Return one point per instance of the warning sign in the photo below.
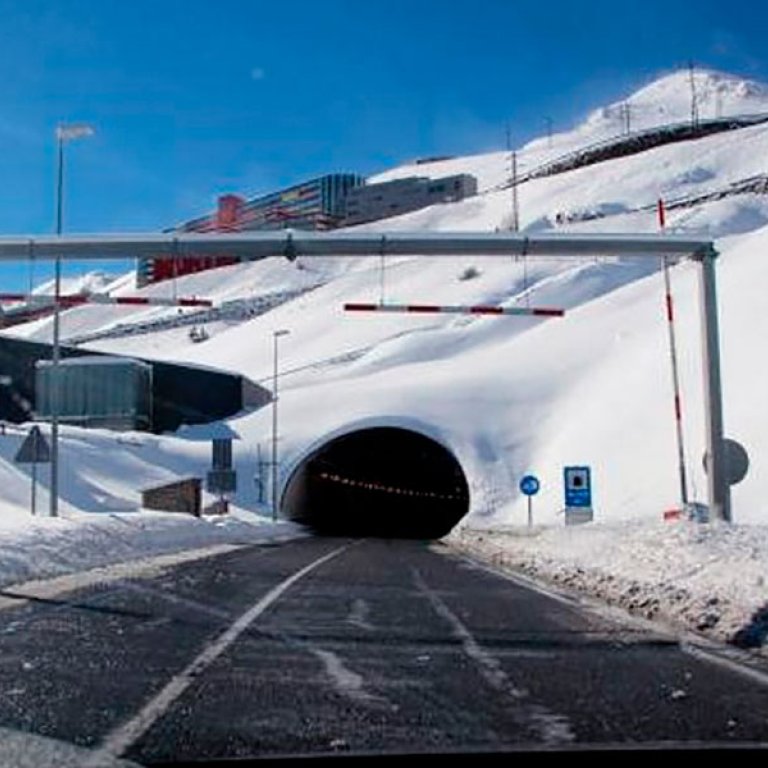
(34, 449)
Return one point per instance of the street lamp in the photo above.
(64, 133)
(275, 336)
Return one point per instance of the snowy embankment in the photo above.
(102, 475)
(705, 578)
(48, 547)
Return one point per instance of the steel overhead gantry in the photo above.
(292, 244)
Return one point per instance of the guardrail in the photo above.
(633, 143)
(235, 309)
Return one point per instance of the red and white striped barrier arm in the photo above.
(97, 298)
(678, 402)
(456, 309)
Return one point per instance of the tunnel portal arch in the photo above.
(378, 481)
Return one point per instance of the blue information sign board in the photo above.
(578, 487)
(530, 485)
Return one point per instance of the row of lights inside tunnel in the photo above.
(384, 488)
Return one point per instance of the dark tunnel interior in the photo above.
(382, 481)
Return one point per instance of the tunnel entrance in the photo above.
(381, 481)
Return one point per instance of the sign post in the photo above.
(578, 495)
(221, 478)
(529, 485)
(34, 450)
(262, 465)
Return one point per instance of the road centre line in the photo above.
(127, 734)
(553, 728)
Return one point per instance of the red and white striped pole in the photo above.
(455, 309)
(670, 307)
(78, 299)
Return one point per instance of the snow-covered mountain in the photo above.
(669, 99)
(95, 281)
(508, 395)
(664, 101)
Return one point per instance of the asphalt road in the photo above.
(328, 645)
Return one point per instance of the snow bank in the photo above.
(704, 578)
(48, 547)
(102, 474)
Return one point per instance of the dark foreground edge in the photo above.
(605, 754)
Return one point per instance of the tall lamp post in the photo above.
(64, 133)
(275, 501)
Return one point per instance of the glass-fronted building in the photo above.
(393, 198)
(97, 391)
(317, 204)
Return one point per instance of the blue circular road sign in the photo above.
(530, 485)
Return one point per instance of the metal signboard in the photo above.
(221, 453)
(578, 487)
(529, 485)
(221, 481)
(34, 449)
(736, 461)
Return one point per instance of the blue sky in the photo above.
(193, 98)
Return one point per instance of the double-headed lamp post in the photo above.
(64, 133)
(275, 501)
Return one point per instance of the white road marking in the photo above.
(358, 616)
(700, 647)
(579, 603)
(553, 728)
(347, 682)
(120, 739)
(16, 595)
(717, 656)
(177, 600)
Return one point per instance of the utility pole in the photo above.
(515, 202)
(63, 133)
(718, 488)
(694, 97)
(275, 500)
(626, 109)
(514, 223)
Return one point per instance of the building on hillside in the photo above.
(330, 201)
(391, 198)
(313, 205)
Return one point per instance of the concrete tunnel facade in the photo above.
(378, 481)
